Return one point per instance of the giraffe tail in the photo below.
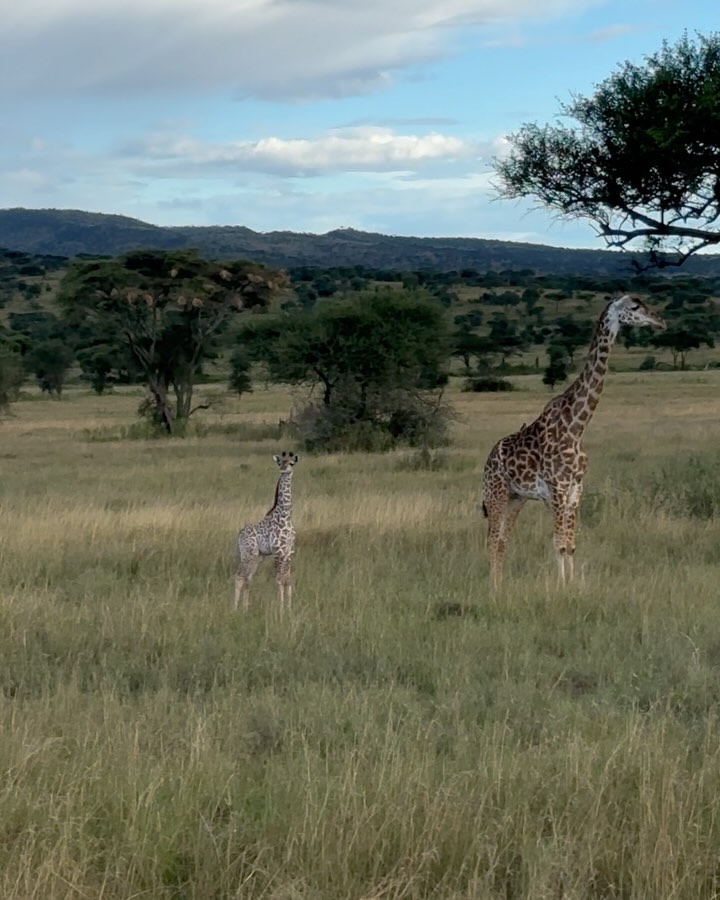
(484, 509)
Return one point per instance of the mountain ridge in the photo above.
(65, 232)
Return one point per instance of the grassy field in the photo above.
(549, 743)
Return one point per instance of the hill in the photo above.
(73, 232)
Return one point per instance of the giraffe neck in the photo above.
(581, 398)
(283, 495)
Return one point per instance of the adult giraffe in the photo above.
(545, 459)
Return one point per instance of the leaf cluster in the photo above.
(642, 161)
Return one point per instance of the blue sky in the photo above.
(304, 115)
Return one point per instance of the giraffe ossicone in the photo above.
(273, 535)
(545, 459)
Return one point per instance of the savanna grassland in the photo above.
(400, 734)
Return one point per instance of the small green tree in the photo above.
(505, 338)
(680, 338)
(378, 360)
(556, 370)
(240, 363)
(469, 346)
(49, 361)
(571, 334)
(101, 364)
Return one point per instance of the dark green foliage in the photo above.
(570, 334)
(471, 347)
(47, 346)
(680, 338)
(505, 337)
(49, 361)
(488, 384)
(556, 370)
(38, 325)
(648, 364)
(11, 376)
(167, 311)
(642, 162)
(240, 381)
(102, 364)
(688, 328)
(377, 360)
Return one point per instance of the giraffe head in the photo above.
(286, 461)
(626, 310)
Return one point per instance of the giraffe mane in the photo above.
(277, 491)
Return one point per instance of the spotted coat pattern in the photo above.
(545, 460)
(273, 535)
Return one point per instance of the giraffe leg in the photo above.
(239, 584)
(571, 528)
(283, 577)
(243, 577)
(495, 513)
(560, 542)
(507, 523)
(515, 505)
(496, 504)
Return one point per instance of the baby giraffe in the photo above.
(273, 535)
(545, 459)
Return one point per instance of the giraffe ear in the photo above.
(276, 458)
(295, 458)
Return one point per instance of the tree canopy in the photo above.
(642, 162)
(168, 309)
(375, 357)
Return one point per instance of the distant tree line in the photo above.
(373, 348)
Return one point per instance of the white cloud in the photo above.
(349, 150)
(276, 49)
(25, 178)
(611, 32)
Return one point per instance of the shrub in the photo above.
(488, 383)
(410, 422)
(648, 364)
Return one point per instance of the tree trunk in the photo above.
(327, 387)
(183, 399)
(163, 411)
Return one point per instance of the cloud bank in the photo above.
(268, 49)
(361, 149)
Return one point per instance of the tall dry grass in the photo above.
(401, 734)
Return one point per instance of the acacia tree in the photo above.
(168, 309)
(642, 164)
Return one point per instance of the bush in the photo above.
(324, 428)
(648, 364)
(410, 422)
(420, 424)
(488, 383)
(555, 372)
